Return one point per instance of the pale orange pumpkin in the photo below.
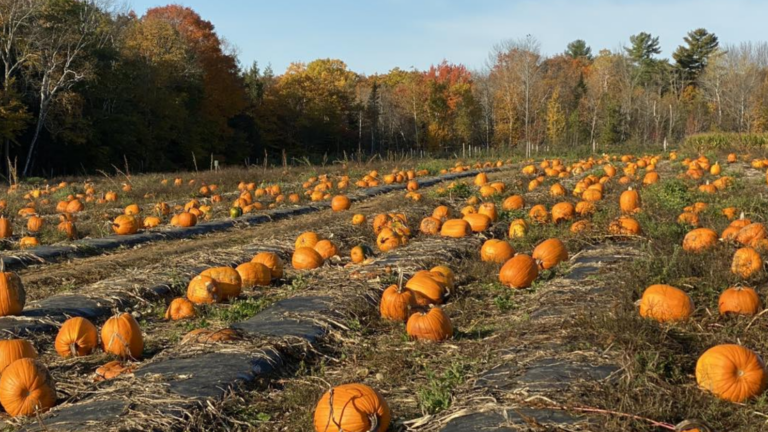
(665, 303)
(731, 372)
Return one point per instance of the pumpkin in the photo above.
(272, 261)
(427, 290)
(519, 272)
(699, 240)
(307, 239)
(731, 372)
(388, 239)
(441, 213)
(6, 229)
(396, 303)
(254, 274)
(514, 202)
(360, 253)
(550, 253)
(358, 219)
(624, 225)
(584, 208)
(77, 337)
(746, 262)
(539, 214)
(581, 226)
(478, 222)
(447, 275)
(592, 195)
(184, 220)
(750, 234)
(518, 228)
(488, 209)
(352, 408)
(203, 290)
(179, 309)
(227, 280)
(151, 221)
(739, 301)
(562, 211)
(35, 223)
(12, 293)
(111, 370)
(205, 336)
(629, 202)
(665, 303)
(456, 228)
(125, 225)
(496, 251)
(28, 242)
(730, 212)
(14, 349)
(122, 337)
(433, 325)
(326, 249)
(26, 388)
(306, 258)
(430, 225)
(132, 210)
(340, 203)
(74, 206)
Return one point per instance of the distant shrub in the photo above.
(726, 140)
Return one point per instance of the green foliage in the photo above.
(437, 394)
(239, 310)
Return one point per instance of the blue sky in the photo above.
(373, 36)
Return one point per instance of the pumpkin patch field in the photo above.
(617, 292)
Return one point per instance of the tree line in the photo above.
(86, 87)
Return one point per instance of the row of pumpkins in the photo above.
(731, 372)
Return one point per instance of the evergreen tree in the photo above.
(579, 49)
(691, 59)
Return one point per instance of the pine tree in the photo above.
(578, 49)
(692, 57)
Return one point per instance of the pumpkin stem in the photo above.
(400, 282)
(73, 349)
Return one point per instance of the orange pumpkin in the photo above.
(306, 258)
(665, 303)
(12, 294)
(352, 408)
(326, 249)
(550, 253)
(307, 239)
(456, 228)
(739, 301)
(254, 274)
(340, 203)
(14, 349)
(699, 240)
(746, 262)
(122, 337)
(272, 261)
(227, 280)
(519, 272)
(396, 303)
(26, 388)
(179, 309)
(433, 325)
(731, 372)
(496, 251)
(77, 337)
(203, 290)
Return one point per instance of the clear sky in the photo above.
(373, 36)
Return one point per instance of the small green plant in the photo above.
(240, 310)
(437, 394)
